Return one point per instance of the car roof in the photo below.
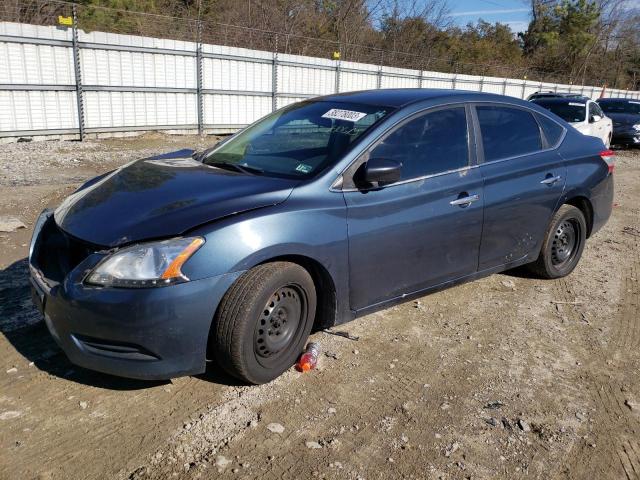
(400, 97)
(559, 94)
(561, 100)
(619, 99)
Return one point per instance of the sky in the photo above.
(514, 13)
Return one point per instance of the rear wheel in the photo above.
(563, 244)
(263, 321)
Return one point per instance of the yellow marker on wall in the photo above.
(67, 21)
(336, 55)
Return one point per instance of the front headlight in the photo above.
(153, 264)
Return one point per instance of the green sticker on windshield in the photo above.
(304, 168)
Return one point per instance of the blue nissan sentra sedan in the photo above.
(319, 213)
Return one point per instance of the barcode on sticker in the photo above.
(348, 115)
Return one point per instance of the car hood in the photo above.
(162, 196)
(624, 118)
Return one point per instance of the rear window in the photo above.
(570, 111)
(507, 132)
(552, 130)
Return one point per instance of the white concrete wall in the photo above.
(237, 88)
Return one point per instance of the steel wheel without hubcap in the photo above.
(562, 245)
(281, 319)
(565, 242)
(263, 321)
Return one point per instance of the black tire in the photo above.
(263, 321)
(563, 244)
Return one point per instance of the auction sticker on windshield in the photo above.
(348, 115)
(304, 168)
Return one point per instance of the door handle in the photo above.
(465, 201)
(551, 180)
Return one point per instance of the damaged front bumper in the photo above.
(146, 333)
(626, 136)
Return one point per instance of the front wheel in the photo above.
(263, 321)
(563, 244)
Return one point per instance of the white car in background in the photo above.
(584, 114)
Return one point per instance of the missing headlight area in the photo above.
(56, 253)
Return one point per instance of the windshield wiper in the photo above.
(238, 168)
(254, 170)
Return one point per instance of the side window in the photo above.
(507, 132)
(591, 110)
(552, 131)
(597, 110)
(432, 143)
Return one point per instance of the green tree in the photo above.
(562, 35)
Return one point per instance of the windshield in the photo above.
(628, 106)
(568, 111)
(297, 141)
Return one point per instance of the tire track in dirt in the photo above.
(630, 459)
(616, 453)
(628, 329)
(583, 459)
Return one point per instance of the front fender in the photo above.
(295, 227)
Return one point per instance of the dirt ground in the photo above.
(505, 377)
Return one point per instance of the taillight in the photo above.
(608, 156)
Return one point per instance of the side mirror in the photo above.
(382, 170)
(595, 118)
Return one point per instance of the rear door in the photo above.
(524, 177)
(424, 229)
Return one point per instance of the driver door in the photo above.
(598, 127)
(425, 229)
